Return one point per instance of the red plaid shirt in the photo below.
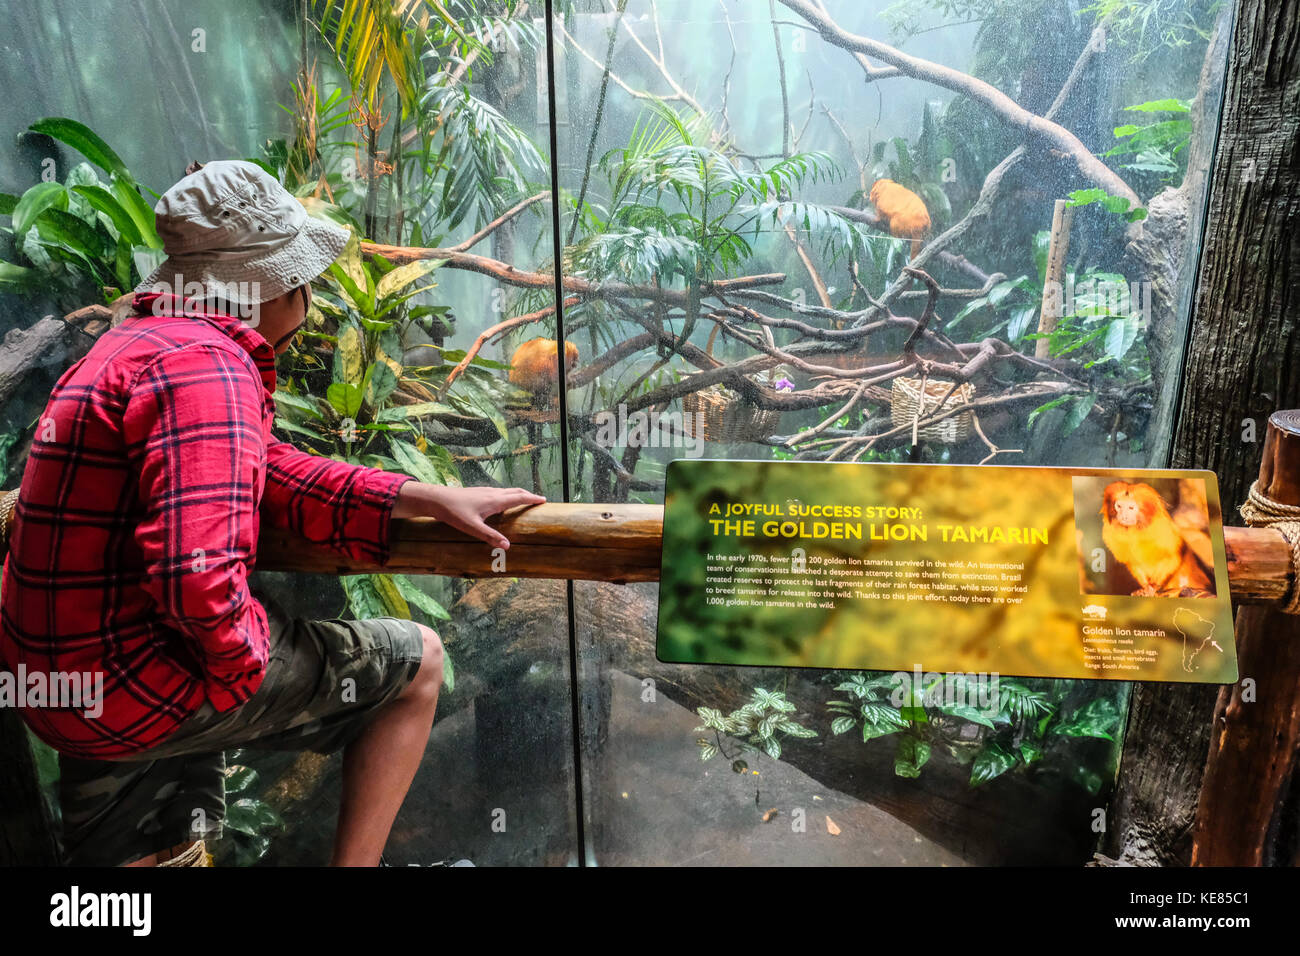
(137, 525)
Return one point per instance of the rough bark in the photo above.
(1247, 796)
(1243, 363)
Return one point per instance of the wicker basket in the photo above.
(906, 406)
(724, 415)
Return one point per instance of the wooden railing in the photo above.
(621, 543)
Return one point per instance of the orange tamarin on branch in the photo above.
(535, 366)
(903, 211)
(1139, 532)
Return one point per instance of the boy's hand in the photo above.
(462, 508)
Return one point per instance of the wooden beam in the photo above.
(621, 543)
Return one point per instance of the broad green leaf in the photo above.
(353, 294)
(1078, 412)
(35, 201)
(55, 225)
(348, 363)
(413, 463)
(910, 756)
(841, 724)
(346, 398)
(1120, 336)
(391, 596)
(308, 406)
(414, 595)
(991, 762)
(1054, 403)
(289, 426)
(381, 381)
(107, 203)
(85, 141)
(1098, 718)
(444, 464)
(967, 712)
(398, 412)
(1162, 106)
(880, 720)
(141, 214)
(401, 277)
(17, 276)
(448, 672)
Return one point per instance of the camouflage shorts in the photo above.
(324, 680)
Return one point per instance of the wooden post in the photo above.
(1054, 280)
(1250, 773)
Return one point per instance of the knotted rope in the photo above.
(6, 505)
(1261, 511)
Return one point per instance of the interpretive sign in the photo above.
(1035, 572)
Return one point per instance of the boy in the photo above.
(137, 524)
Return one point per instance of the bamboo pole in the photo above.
(1054, 281)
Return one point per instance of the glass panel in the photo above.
(448, 138)
(754, 181)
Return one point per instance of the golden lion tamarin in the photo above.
(903, 211)
(1139, 532)
(535, 366)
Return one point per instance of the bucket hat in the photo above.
(231, 231)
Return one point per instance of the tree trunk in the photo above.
(1242, 364)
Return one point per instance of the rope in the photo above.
(193, 855)
(1261, 511)
(7, 504)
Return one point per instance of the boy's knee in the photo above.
(428, 679)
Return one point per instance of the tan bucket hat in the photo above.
(231, 231)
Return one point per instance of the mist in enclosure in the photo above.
(790, 229)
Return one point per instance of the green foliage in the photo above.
(82, 238)
(1119, 205)
(446, 153)
(1028, 721)
(485, 162)
(250, 821)
(682, 210)
(1156, 146)
(376, 40)
(1149, 26)
(757, 726)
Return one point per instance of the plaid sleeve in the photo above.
(193, 430)
(344, 507)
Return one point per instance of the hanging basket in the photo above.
(906, 406)
(726, 416)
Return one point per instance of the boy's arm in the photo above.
(345, 507)
(193, 430)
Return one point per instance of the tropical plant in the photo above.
(1028, 721)
(366, 406)
(757, 726)
(249, 820)
(442, 140)
(1156, 146)
(85, 237)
